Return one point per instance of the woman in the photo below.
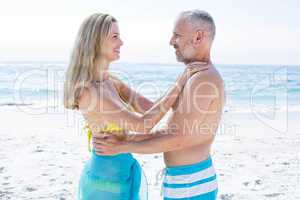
(90, 89)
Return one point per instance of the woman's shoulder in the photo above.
(92, 94)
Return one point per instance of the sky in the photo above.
(248, 32)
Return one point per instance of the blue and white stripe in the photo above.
(196, 181)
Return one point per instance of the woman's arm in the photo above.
(140, 103)
(141, 122)
(109, 110)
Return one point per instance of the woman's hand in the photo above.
(189, 71)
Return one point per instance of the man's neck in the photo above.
(201, 58)
(198, 61)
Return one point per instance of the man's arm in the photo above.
(156, 142)
(192, 111)
(164, 143)
(136, 137)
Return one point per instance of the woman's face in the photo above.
(111, 47)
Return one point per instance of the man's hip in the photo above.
(194, 182)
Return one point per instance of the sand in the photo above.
(41, 156)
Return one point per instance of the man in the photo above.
(194, 120)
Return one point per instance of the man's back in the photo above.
(196, 117)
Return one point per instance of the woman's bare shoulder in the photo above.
(91, 96)
(97, 93)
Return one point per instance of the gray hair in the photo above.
(200, 18)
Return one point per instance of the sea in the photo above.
(267, 87)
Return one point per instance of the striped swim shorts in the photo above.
(191, 182)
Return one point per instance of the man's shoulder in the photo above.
(205, 83)
(208, 75)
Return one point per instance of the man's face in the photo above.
(181, 40)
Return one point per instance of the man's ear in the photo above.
(198, 37)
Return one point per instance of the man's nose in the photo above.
(172, 41)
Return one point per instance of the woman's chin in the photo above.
(114, 58)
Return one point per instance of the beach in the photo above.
(256, 151)
(50, 50)
(42, 157)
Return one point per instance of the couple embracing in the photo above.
(121, 121)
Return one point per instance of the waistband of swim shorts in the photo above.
(188, 169)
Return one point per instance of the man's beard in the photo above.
(181, 58)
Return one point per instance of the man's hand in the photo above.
(108, 144)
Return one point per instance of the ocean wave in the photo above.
(16, 104)
(262, 109)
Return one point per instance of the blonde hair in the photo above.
(82, 67)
